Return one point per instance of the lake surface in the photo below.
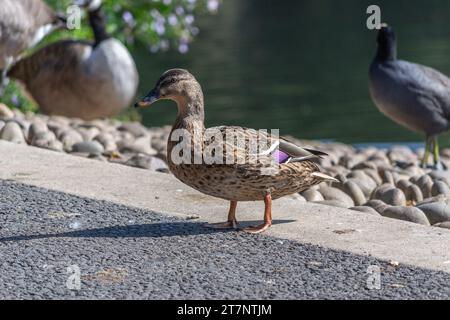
(300, 66)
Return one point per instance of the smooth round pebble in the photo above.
(330, 193)
(373, 174)
(312, 195)
(413, 193)
(107, 141)
(440, 188)
(135, 128)
(69, 138)
(365, 165)
(140, 145)
(425, 184)
(392, 196)
(378, 205)
(440, 175)
(147, 162)
(90, 147)
(440, 198)
(354, 191)
(403, 185)
(380, 190)
(53, 145)
(12, 132)
(387, 177)
(444, 225)
(436, 212)
(410, 214)
(88, 134)
(37, 127)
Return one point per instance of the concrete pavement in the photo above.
(58, 246)
(333, 228)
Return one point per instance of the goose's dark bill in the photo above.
(149, 99)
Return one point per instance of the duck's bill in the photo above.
(152, 97)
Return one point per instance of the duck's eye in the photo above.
(167, 83)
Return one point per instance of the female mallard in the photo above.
(238, 172)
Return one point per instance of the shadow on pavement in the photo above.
(154, 230)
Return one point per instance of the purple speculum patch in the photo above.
(280, 156)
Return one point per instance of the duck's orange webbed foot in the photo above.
(267, 218)
(231, 223)
(258, 229)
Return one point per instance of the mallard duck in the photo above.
(23, 24)
(82, 79)
(280, 168)
(415, 96)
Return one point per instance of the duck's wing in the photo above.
(299, 153)
(245, 143)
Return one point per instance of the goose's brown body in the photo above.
(72, 79)
(83, 79)
(23, 23)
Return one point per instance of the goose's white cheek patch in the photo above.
(41, 33)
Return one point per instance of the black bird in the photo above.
(415, 96)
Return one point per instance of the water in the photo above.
(300, 66)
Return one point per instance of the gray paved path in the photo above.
(131, 253)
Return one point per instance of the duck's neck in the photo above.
(191, 114)
(386, 52)
(97, 21)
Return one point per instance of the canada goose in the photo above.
(415, 96)
(78, 78)
(291, 166)
(23, 24)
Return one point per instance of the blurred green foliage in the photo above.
(158, 25)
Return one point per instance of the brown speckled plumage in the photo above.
(247, 181)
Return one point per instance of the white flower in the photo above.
(172, 19)
(213, 5)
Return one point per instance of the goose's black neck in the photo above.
(97, 21)
(387, 50)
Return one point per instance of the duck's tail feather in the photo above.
(302, 159)
(324, 177)
(317, 153)
(296, 151)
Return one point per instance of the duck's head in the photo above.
(176, 84)
(89, 5)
